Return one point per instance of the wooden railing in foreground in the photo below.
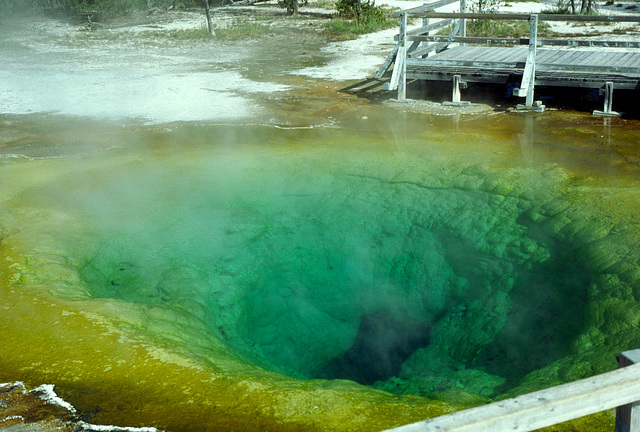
(617, 389)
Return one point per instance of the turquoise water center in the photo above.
(437, 262)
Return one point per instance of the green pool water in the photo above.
(441, 261)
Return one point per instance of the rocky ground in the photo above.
(41, 410)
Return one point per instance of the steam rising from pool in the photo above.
(337, 274)
(411, 276)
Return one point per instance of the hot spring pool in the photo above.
(356, 276)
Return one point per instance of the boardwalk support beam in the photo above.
(463, 21)
(455, 97)
(526, 89)
(390, 59)
(401, 59)
(608, 102)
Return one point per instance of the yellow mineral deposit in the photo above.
(234, 277)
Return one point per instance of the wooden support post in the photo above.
(425, 22)
(463, 22)
(608, 96)
(628, 416)
(455, 96)
(529, 75)
(390, 59)
(401, 59)
(608, 102)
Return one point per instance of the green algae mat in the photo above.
(349, 277)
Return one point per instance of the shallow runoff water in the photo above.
(365, 269)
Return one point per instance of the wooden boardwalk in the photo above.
(529, 62)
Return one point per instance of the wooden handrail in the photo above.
(526, 17)
(619, 388)
(430, 27)
(524, 41)
(429, 6)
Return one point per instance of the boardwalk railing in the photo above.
(416, 44)
(400, 51)
(617, 389)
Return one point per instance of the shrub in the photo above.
(363, 11)
(291, 5)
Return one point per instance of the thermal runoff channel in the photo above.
(295, 261)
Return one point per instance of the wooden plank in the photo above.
(489, 56)
(583, 58)
(589, 68)
(543, 78)
(470, 54)
(385, 66)
(429, 6)
(630, 60)
(476, 63)
(431, 27)
(401, 81)
(525, 17)
(463, 51)
(608, 97)
(562, 63)
(455, 52)
(455, 96)
(526, 85)
(478, 53)
(435, 47)
(507, 54)
(623, 59)
(569, 57)
(413, 47)
(529, 74)
(426, 50)
(542, 408)
(590, 43)
(549, 56)
(362, 86)
(563, 57)
(463, 22)
(628, 416)
(401, 59)
(395, 75)
(524, 41)
(635, 62)
(474, 40)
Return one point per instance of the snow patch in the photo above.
(46, 393)
(102, 428)
(15, 417)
